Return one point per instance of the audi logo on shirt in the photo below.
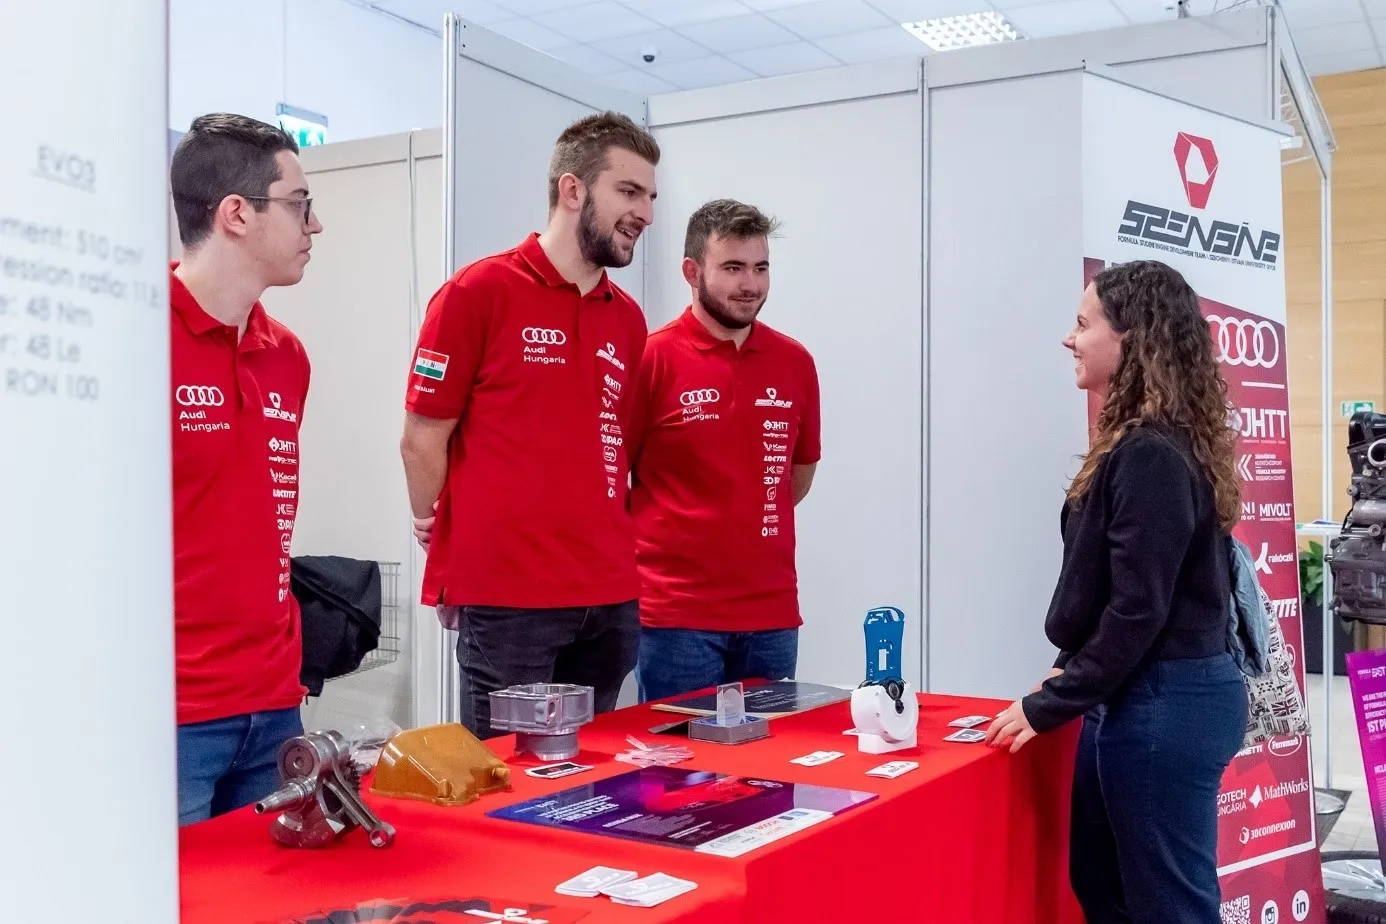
(199, 396)
(544, 335)
(1245, 342)
(699, 396)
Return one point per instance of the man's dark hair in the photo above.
(222, 155)
(582, 148)
(725, 218)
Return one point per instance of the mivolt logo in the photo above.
(1198, 167)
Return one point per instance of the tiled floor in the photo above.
(1354, 829)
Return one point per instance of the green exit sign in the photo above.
(1348, 408)
(307, 128)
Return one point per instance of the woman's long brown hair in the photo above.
(1167, 373)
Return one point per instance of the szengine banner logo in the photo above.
(1161, 227)
(1198, 167)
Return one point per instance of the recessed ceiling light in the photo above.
(962, 31)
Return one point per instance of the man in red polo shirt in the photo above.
(513, 441)
(239, 382)
(724, 440)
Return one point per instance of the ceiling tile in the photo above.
(761, 6)
(1327, 40)
(533, 7)
(741, 33)
(430, 13)
(876, 45)
(1012, 4)
(1375, 8)
(593, 22)
(528, 32)
(670, 48)
(915, 10)
(1302, 14)
(638, 82)
(785, 59)
(684, 12)
(705, 72)
(588, 59)
(1140, 11)
(1065, 17)
(1379, 27)
(1340, 63)
(830, 17)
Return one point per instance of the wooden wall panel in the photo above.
(1356, 106)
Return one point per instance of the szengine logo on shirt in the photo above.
(771, 399)
(275, 409)
(609, 354)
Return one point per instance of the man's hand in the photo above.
(1011, 723)
(423, 529)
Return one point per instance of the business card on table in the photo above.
(816, 758)
(970, 721)
(649, 891)
(893, 769)
(591, 883)
(554, 771)
(967, 736)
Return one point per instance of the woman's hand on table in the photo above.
(1010, 724)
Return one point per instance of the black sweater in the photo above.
(1145, 575)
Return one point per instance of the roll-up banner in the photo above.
(1200, 191)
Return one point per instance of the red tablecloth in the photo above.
(974, 835)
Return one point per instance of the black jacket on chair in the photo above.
(340, 602)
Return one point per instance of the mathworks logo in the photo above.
(1177, 230)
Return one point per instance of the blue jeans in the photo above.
(676, 661)
(1145, 793)
(226, 764)
(499, 647)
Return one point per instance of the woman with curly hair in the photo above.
(1140, 611)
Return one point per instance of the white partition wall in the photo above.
(837, 157)
(86, 560)
(1005, 213)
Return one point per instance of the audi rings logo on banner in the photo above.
(199, 396)
(544, 335)
(1246, 342)
(699, 396)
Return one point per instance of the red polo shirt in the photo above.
(715, 432)
(236, 409)
(533, 513)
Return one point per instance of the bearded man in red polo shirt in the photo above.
(724, 442)
(239, 382)
(514, 445)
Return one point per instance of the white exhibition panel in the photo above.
(86, 554)
(1006, 424)
(355, 311)
(1006, 421)
(511, 105)
(846, 281)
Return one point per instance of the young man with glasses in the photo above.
(239, 382)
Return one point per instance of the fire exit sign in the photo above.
(1348, 408)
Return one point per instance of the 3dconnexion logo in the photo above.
(1175, 231)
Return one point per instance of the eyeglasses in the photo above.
(305, 204)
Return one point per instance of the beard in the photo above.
(721, 312)
(597, 248)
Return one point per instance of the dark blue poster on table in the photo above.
(698, 810)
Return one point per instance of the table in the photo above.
(974, 835)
